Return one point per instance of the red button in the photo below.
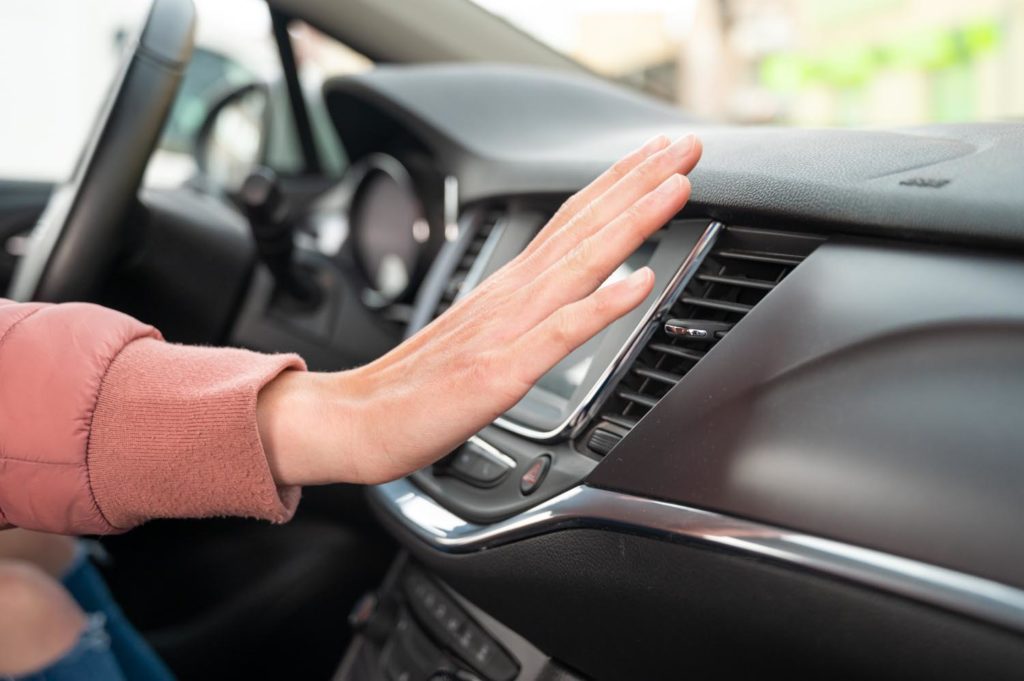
(534, 475)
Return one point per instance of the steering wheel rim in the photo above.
(76, 238)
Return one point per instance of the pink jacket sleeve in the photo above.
(103, 425)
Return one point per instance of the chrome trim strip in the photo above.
(589, 507)
(492, 451)
(451, 208)
(609, 378)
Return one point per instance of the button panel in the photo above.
(441, 616)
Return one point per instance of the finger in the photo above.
(572, 325)
(507, 281)
(620, 169)
(680, 157)
(605, 181)
(505, 284)
(593, 260)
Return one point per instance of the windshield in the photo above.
(799, 62)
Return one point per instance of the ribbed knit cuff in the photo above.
(174, 435)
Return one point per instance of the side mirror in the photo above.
(232, 141)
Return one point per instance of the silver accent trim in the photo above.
(601, 390)
(492, 451)
(451, 208)
(688, 331)
(589, 507)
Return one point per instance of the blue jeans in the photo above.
(110, 649)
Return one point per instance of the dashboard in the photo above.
(801, 452)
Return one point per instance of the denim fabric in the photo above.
(137, 661)
(90, 660)
(110, 649)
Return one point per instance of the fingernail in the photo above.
(653, 144)
(682, 146)
(670, 187)
(639, 278)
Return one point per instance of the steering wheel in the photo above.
(79, 232)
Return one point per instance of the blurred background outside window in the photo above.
(58, 59)
(800, 62)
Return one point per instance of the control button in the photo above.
(603, 441)
(469, 640)
(453, 623)
(477, 466)
(372, 618)
(487, 470)
(534, 475)
(500, 667)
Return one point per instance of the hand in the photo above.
(421, 400)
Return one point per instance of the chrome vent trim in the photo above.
(576, 421)
(743, 266)
(467, 270)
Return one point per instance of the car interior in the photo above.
(801, 455)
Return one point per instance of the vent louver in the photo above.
(472, 252)
(741, 269)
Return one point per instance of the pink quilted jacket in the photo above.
(103, 425)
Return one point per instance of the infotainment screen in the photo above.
(568, 375)
(554, 405)
(554, 397)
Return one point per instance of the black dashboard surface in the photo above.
(915, 452)
(505, 130)
(871, 398)
(874, 397)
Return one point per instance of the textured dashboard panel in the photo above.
(506, 130)
(616, 606)
(874, 397)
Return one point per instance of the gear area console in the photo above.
(415, 628)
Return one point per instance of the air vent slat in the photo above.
(744, 266)
(657, 375)
(716, 304)
(473, 249)
(637, 398)
(774, 258)
(738, 281)
(620, 420)
(677, 351)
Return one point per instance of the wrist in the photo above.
(310, 425)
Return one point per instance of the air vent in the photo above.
(469, 257)
(742, 268)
